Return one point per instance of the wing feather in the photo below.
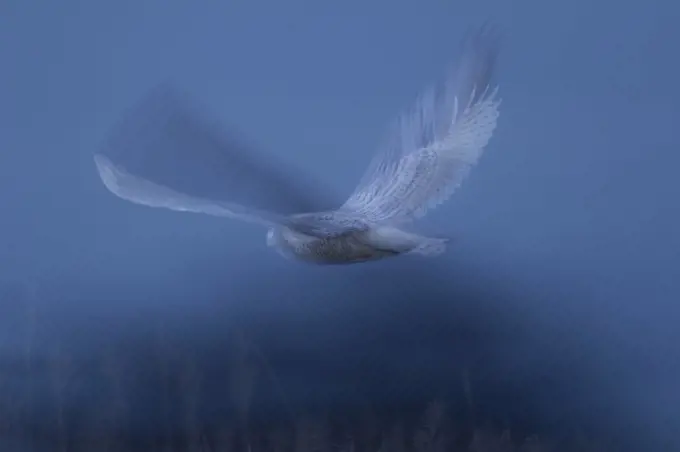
(436, 144)
(144, 192)
(141, 191)
(166, 153)
(170, 140)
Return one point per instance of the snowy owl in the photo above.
(426, 156)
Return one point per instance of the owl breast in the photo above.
(346, 249)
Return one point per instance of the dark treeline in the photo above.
(391, 374)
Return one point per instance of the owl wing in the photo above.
(142, 191)
(167, 141)
(433, 147)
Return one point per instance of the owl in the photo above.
(424, 158)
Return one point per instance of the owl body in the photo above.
(353, 247)
(424, 159)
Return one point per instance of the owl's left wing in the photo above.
(141, 191)
(436, 144)
(144, 192)
(167, 140)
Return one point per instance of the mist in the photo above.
(553, 313)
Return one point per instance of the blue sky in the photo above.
(574, 205)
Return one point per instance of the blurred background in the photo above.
(554, 313)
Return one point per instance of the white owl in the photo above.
(430, 150)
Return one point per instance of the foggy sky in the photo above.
(565, 233)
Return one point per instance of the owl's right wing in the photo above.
(433, 147)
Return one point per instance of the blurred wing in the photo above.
(144, 192)
(436, 144)
(169, 141)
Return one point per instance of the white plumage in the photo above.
(430, 150)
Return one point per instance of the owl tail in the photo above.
(430, 246)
